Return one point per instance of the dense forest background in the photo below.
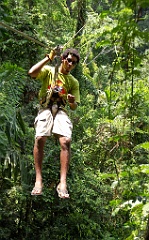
(108, 175)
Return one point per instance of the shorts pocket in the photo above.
(43, 116)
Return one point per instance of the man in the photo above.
(57, 89)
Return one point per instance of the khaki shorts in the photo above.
(45, 125)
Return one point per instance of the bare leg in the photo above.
(64, 161)
(38, 158)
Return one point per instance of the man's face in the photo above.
(69, 63)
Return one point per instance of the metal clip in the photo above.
(57, 58)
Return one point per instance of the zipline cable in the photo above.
(38, 42)
(23, 34)
(33, 39)
(74, 36)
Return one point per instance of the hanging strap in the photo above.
(57, 60)
(51, 91)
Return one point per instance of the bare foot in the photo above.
(62, 191)
(37, 190)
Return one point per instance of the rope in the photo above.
(33, 39)
(74, 36)
(104, 51)
(23, 34)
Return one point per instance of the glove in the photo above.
(54, 52)
(51, 55)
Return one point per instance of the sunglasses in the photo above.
(70, 61)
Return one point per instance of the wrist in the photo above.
(73, 105)
(48, 56)
(51, 55)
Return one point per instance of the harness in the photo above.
(53, 100)
(56, 103)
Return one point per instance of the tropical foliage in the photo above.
(108, 175)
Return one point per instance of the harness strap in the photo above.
(54, 75)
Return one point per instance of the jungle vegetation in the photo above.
(108, 175)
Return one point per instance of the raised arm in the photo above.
(35, 69)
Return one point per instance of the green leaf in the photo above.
(145, 210)
(145, 168)
(144, 145)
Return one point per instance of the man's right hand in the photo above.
(55, 52)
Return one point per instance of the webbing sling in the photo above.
(54, 75)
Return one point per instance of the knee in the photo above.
(65, 143)
(40, 141)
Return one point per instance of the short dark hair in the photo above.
(71, 51)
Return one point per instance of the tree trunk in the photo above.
(81, 19)
(147, 231)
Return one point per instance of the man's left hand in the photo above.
(71, 98)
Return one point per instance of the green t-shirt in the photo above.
(66, 83)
